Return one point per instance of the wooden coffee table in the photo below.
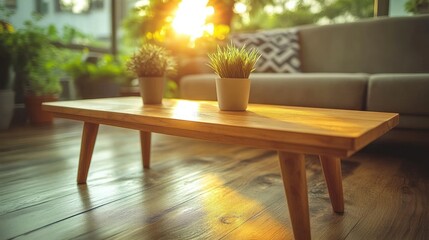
(292, 131)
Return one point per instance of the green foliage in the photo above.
(95, 75)
(417, 6)
(233, 62)
(70, 35)
(37, 61)
(43, 78)
(304, 12)
(149, 18)
(105, 68)
(151, 61)
(5, 12)
(357, 9)
(28, 43)
(171, 90)
(31, 50)
(6, 46)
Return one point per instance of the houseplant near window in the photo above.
(7, 95)
(28, 43)
(95, 75)
(233, 66)
(43, 86)
(151, 64)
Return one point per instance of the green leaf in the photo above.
(233, 62)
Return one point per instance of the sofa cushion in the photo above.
(325, 90)
(377, 45)
(343, 91)
(400, 93)
(279, 49)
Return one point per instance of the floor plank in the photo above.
(197, 189)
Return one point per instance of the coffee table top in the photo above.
(331, 132)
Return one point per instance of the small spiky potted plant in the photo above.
(151, 64)
(233, 65)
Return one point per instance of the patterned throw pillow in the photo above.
(279, 49)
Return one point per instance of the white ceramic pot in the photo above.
(233, 93)
(152, 89)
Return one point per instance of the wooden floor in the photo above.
(197, 190)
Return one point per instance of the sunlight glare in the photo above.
(141, 3)
(232, 206)
(271, 10)
(186, 110)
(77, 6)
(291, 4)
(240, 8)
(190, 18)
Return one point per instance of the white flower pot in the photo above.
(233, 93)
(152, 89)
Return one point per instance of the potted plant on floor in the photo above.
(233, 66)
(43, 86)
(95, 75)
(29, 43)
(151, 64)
(7, 95)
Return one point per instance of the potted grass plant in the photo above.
(233, 65)
(151, 64)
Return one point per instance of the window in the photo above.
(11, 4)
(41, 7)
(97, 4)
(73, 6)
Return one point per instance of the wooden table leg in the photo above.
(332, 170)
(145, 141)
(89, 135)
(295, 184)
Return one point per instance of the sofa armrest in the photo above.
(400, 93)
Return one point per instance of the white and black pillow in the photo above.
(279, 49)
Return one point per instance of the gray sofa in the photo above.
(379, 64)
